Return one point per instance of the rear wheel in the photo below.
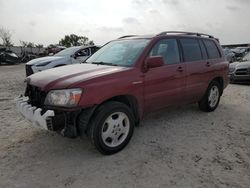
(211, 98)
(111, 127)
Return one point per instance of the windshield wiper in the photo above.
(104, 63)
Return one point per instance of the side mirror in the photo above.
(155, 61)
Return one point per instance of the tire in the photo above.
(211, 99)
(112, 127)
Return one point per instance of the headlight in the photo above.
(231, 69)
(64, 97)
(43, 64)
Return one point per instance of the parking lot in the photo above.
(178, 147)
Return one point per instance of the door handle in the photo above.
(180, 69)
(208, 64)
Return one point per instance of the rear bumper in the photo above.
(33, 114)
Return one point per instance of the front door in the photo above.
(164, 86)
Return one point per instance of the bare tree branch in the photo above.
(6, 36)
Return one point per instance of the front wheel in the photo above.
(112, 127)
(211, 99)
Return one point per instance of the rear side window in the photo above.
(203, 50)
(212, 50)
(191, 49)
(168, 49)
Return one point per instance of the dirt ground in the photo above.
(180, 147)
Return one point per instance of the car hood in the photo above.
(64, 77)
(240, 65)
(41, 60)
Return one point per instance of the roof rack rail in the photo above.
(125, 36)
(186, 33)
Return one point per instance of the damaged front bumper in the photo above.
(34, 114)
(63, 121)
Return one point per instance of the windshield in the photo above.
(68, 51)
(120, 53)
(247, 57)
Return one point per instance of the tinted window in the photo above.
(94, 49)
(168, 49)
(203, 50)
(191, 49)
(83, 52)
(212, 49)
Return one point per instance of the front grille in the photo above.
(29, 70)
(36, 96)
(241, 72)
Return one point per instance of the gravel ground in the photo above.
(180, 147)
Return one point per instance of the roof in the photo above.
(170, 33)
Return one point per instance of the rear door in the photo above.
(164, 86)
(214, 58)
(197, 69)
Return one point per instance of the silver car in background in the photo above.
(72, 55)
(240, 71)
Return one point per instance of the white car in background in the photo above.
(72, 55)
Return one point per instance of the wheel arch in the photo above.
(220, 80)
(129, 100)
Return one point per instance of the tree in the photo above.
(75, 40)
(39, 46)
(25, 44)
(6, 35)
(31, 46)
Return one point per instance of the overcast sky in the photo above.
(47, 21)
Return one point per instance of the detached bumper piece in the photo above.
(34, 115)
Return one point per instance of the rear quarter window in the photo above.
(191, 49)
(212, 49)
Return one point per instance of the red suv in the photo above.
(106, 96)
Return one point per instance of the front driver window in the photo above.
(83, 52)
(168, 49)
